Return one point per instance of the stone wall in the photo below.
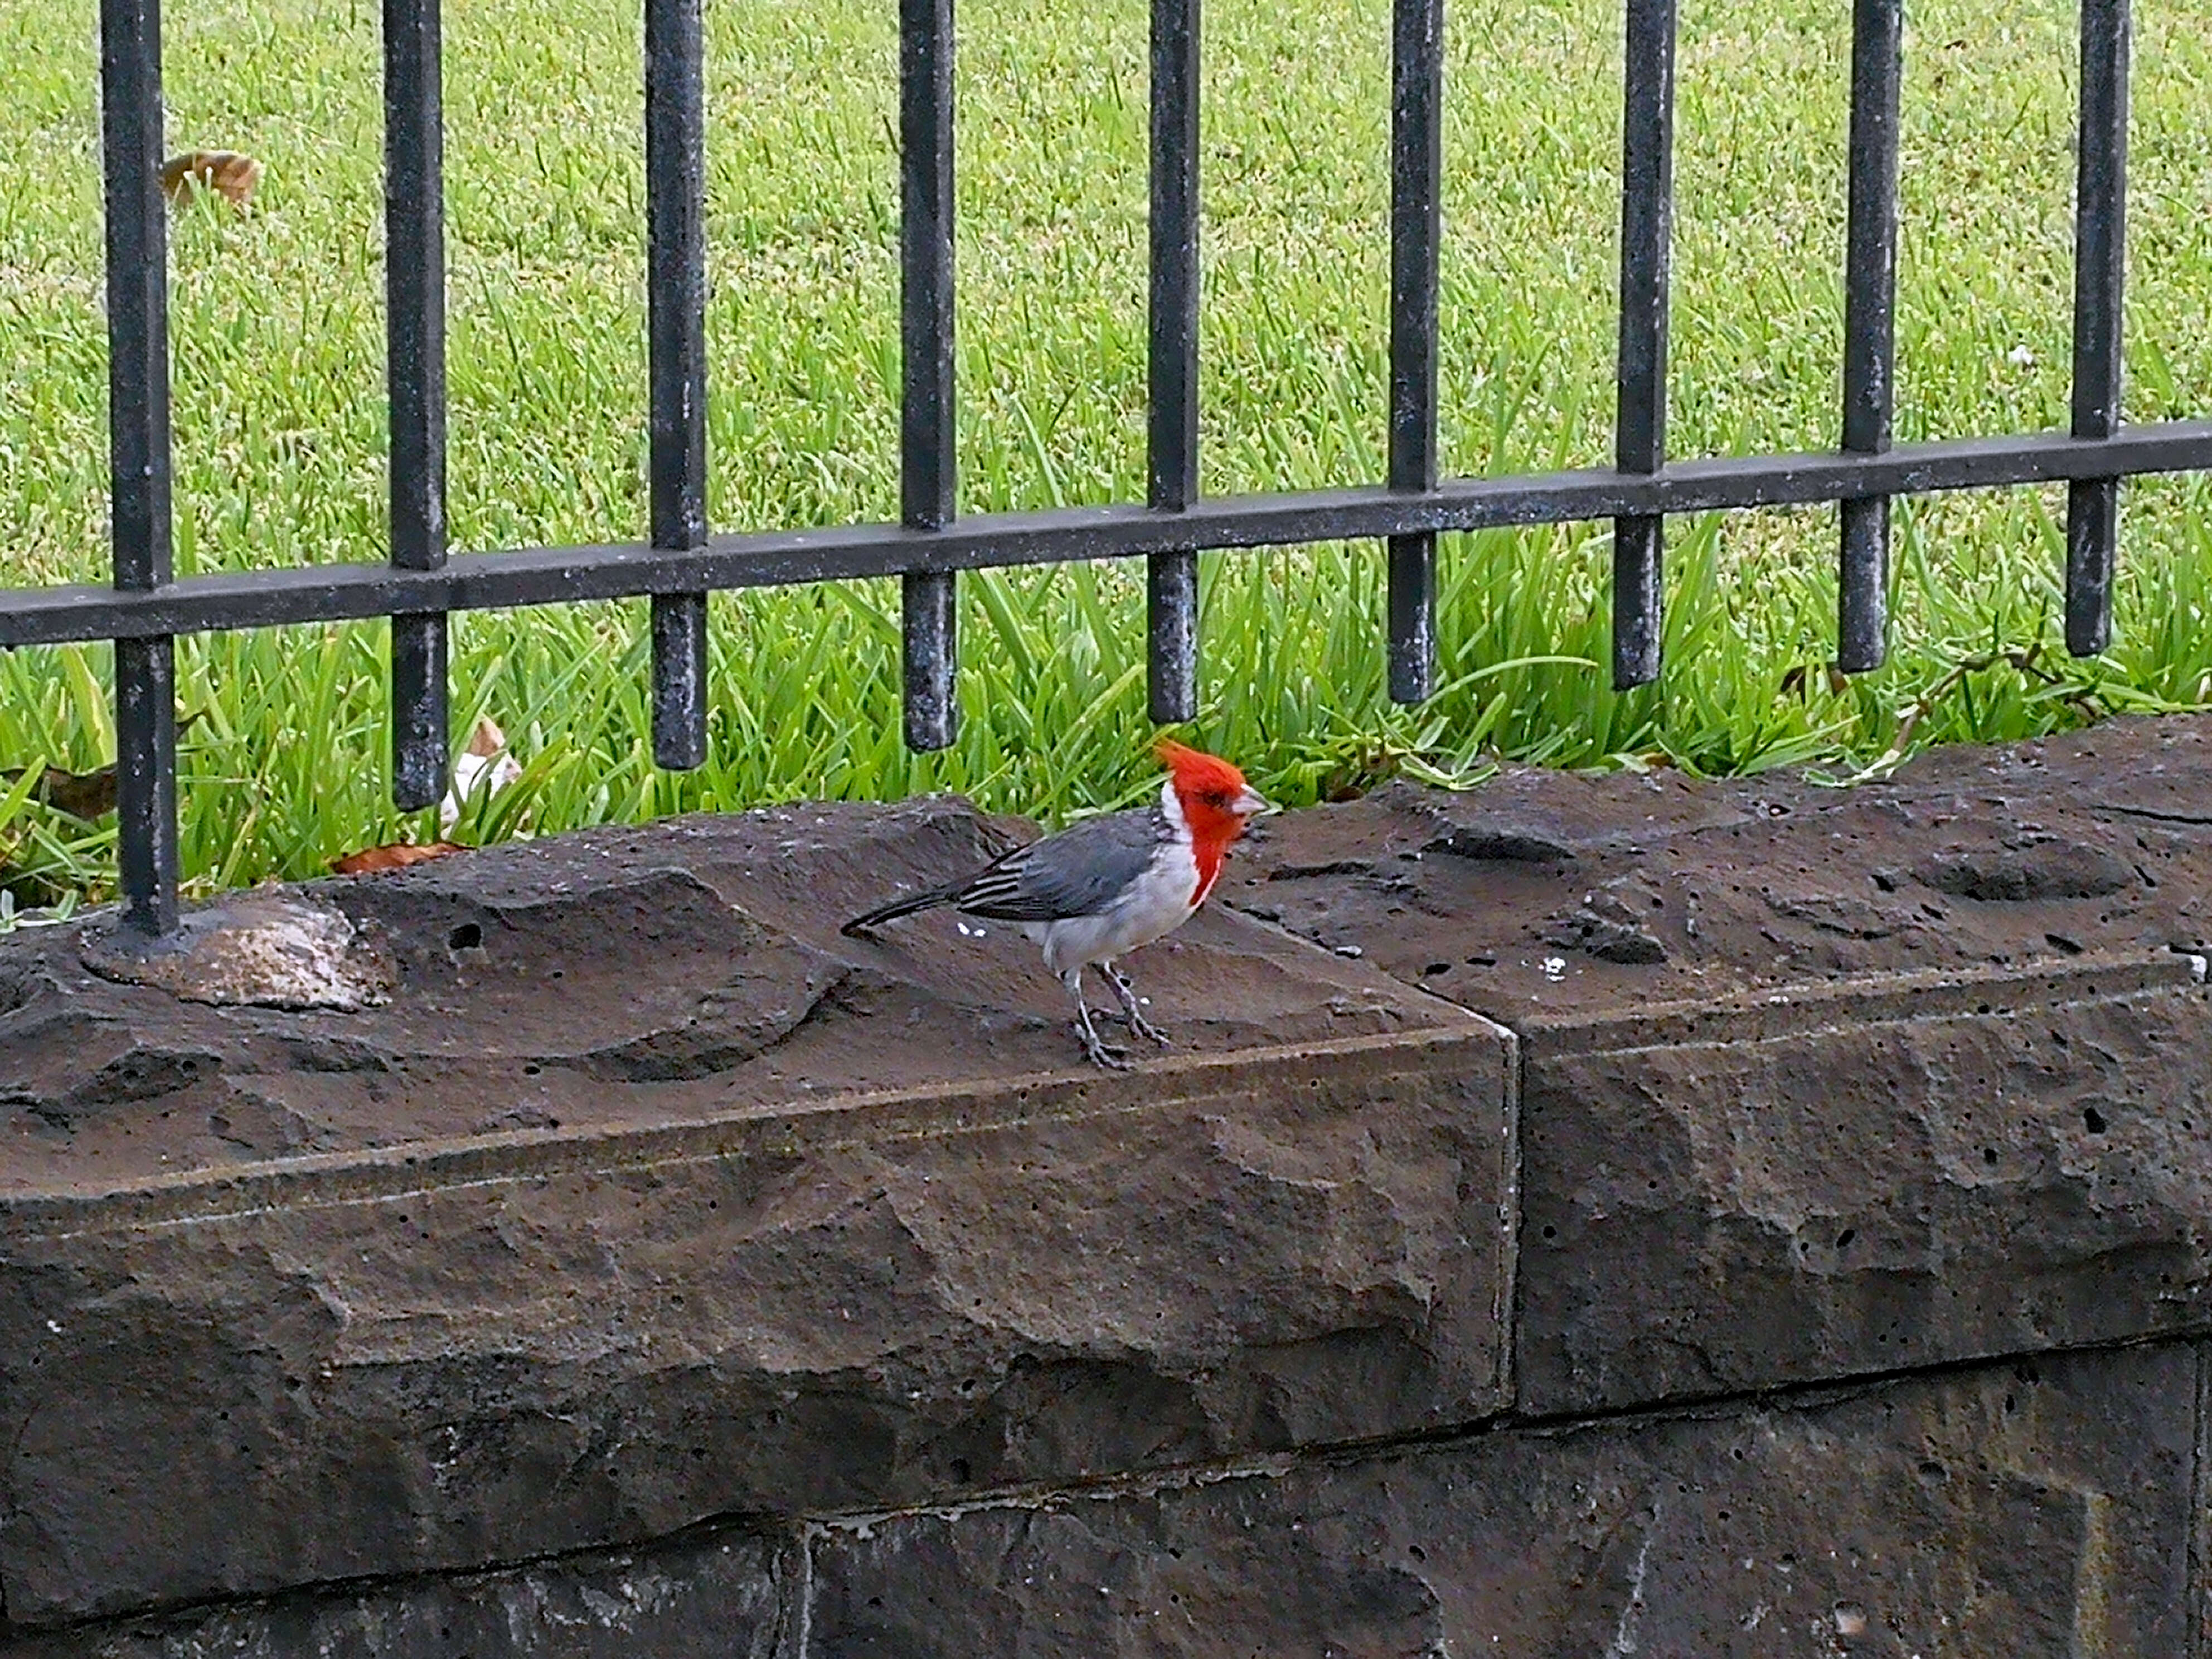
(1580, 1216)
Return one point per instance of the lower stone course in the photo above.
(2013, 1510)
(718, 1596)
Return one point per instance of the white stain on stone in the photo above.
(1624, 1632)
(268, 952)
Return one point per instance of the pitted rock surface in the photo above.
(1863, 1183)
(2020, 1512)
(637, 974)
(507, 1349)
(627, 975)
(712, 1595)
(2030, 1511)
(1542, 896)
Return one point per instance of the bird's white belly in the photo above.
(1157, 903)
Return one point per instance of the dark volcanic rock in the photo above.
(2021, 1511)
(645, 1201)
(713, 1597)
(2012, 1513)
(695, 1207)
(235, 1384)
(274, 951)
(1608, 928)
(1969, 858)
(2019, 875)
(1864, 1181)
(620, 977)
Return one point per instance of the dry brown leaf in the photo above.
(230, 175)
(86, 795)
(396, 856)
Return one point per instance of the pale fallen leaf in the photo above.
(396, 856)
(487, 740)
(485, 763)
(230, 175)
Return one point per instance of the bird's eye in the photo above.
(1217, 798)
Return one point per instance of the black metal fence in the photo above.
(682, 560)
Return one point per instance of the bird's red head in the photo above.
(1216, 802)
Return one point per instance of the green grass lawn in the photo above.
(278, 383)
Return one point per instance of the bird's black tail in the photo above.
(860, 925)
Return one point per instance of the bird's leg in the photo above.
(1139, 1025)
(1095, 1051)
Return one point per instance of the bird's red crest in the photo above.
(1206, 786)
(1197, 773)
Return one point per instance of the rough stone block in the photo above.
(643, 1198)
(1859, 1180)
(2010, 1513)
(432, 1359)
(1544, 896)
(716, 1597)
(615, 978)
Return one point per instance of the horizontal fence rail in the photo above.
(681, 560)
(557, 575)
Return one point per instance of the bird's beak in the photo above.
(1251, 805)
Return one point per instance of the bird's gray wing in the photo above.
(1077, 872)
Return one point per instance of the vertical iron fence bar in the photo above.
(1417, 156)
(1869, 326)
(2093, 506)
(415, 328)
(676, 290)
(925, 418)
(1640, 436)
(138, 443)
(1171, 578)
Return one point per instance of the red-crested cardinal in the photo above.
(1104, 886)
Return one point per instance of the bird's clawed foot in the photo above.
(1103, 1056)
(1095, 1049)
(1139, 1025)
